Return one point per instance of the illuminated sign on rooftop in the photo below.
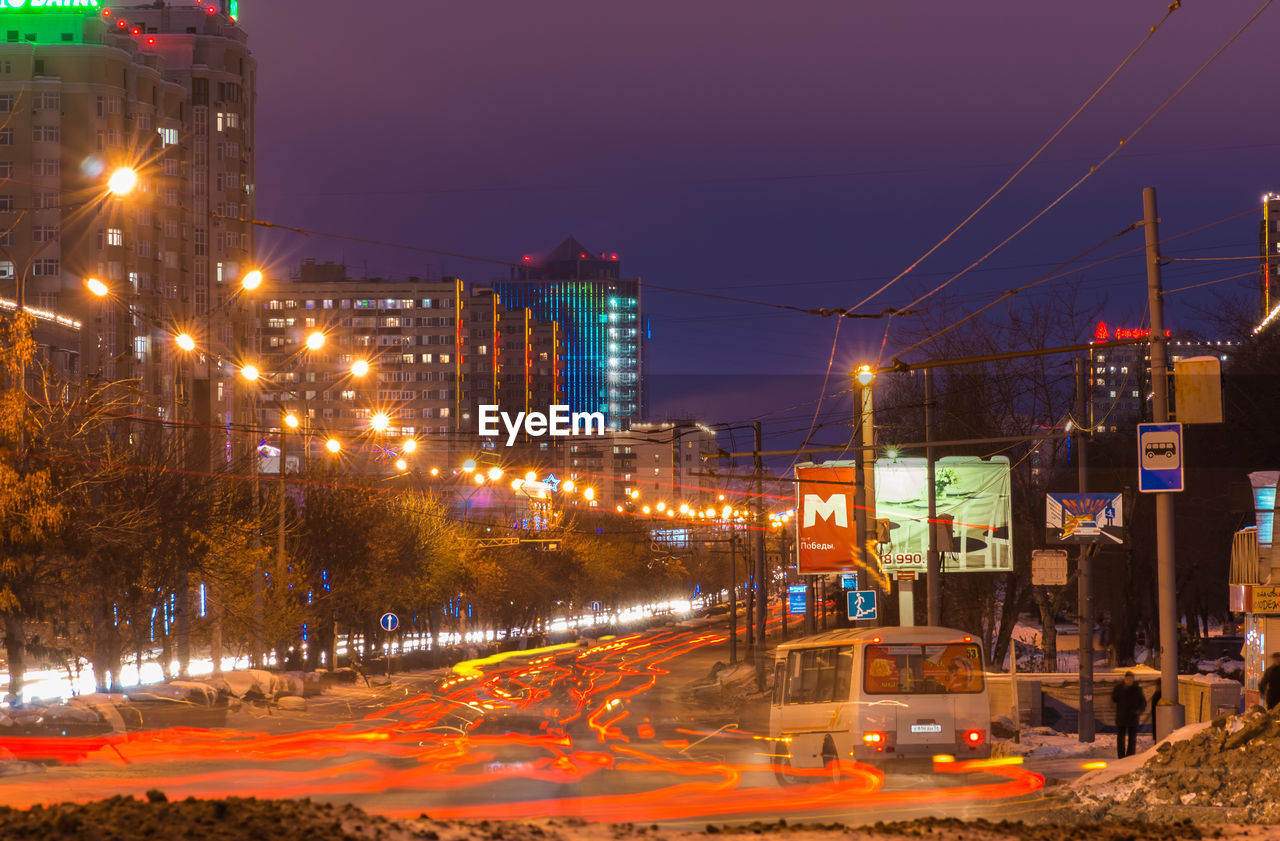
(47, 5)
(1103, 333)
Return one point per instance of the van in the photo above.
(880, 696)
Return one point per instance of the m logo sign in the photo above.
(828, 539)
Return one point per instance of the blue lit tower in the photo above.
(603, 329)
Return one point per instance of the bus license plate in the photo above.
(926, 728)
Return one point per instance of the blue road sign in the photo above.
(849, 581)
(595, 607)
(862, 604)
(389, 622)
(1159, 457)
(797, 599)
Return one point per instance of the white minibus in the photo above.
(881, 696)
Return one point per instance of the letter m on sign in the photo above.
(834, 507)
(827, 538)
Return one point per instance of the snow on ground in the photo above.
(1103, 781)
(1045, 743)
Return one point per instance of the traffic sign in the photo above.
(389, 622)
(1049, 567)
(862, 604)
(797, 599)
(849, 581)
(1160, 457)
(596, 607)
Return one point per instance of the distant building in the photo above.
(1120, 377)
(602, 326)
(434, 354)
(647, 464)
(1269, 252)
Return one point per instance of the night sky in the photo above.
(796, 152)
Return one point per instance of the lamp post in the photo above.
(866, 493)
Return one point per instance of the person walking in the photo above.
(1129, 702)
(1269, 686)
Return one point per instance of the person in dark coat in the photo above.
(1269, 686)
(1130, 702)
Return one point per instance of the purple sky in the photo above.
(789, 151)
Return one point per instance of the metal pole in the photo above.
(1085, 579)
(733, 599)
(868, 484)
(280, 549)
(259, 587)
(762, 594)
(1170, 715)
(934, 568)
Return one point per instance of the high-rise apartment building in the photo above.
(166, 90)
(423, 353)
(647, 464)
(602, 326)
(1269, 252)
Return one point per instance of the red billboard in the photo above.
(826, 523)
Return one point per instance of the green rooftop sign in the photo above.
(47, 5)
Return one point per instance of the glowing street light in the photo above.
(97, 287)
(359, 368)
(315, 341)
(402, 465)
(291, 420)
(662, 506)
(495, 473)
(589, 494)
(410, 445)
(250, 372)
(251, 281)
(379, 422)
(517, 484)
(864, 375)
(435, 471)
(479, 478)
(469, 466)
(333, 445)
(123, 181)
(567, 486)
(645, 509)
(184, 341)
(531, 476)
(684, 508)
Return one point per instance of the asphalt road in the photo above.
(606, 732)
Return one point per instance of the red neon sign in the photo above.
(1102, 333)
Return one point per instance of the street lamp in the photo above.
(315, 341)
(250, 372)
(589, 494)
(97, 287)
(251, 281)
(379, 422)
(291, 420)
(402, 465)
(495, 473)
(865, 495)
(359, 368)
(123, 181)
(410, 445)
(333, 445)
(469, 466)
(184, 341)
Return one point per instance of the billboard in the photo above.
(972, 503)
(1084, 518)
(827, 537)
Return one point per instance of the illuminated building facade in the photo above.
(1269, 252)
(1120, 377)
(168, 90)
(602, 325)
(647, 464)
(434, 353)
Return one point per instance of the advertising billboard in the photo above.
(1084, 518)
(827, 537)
(973, 510)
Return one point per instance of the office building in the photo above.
(602, 326)
(1120, 377)
(164, 89)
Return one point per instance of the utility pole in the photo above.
(933, 561)
(733, 598)
(762, 595)
(1169, 714)
(1085, 578)
(866, 493)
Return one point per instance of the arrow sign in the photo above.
(862, 604)
(389, 622)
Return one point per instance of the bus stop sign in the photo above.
(1160, 457)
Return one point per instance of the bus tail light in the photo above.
(874, 739)
(973, 738)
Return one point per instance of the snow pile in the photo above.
(1227, 769)
(1046, 743)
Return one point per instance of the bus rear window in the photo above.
(914, 669)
